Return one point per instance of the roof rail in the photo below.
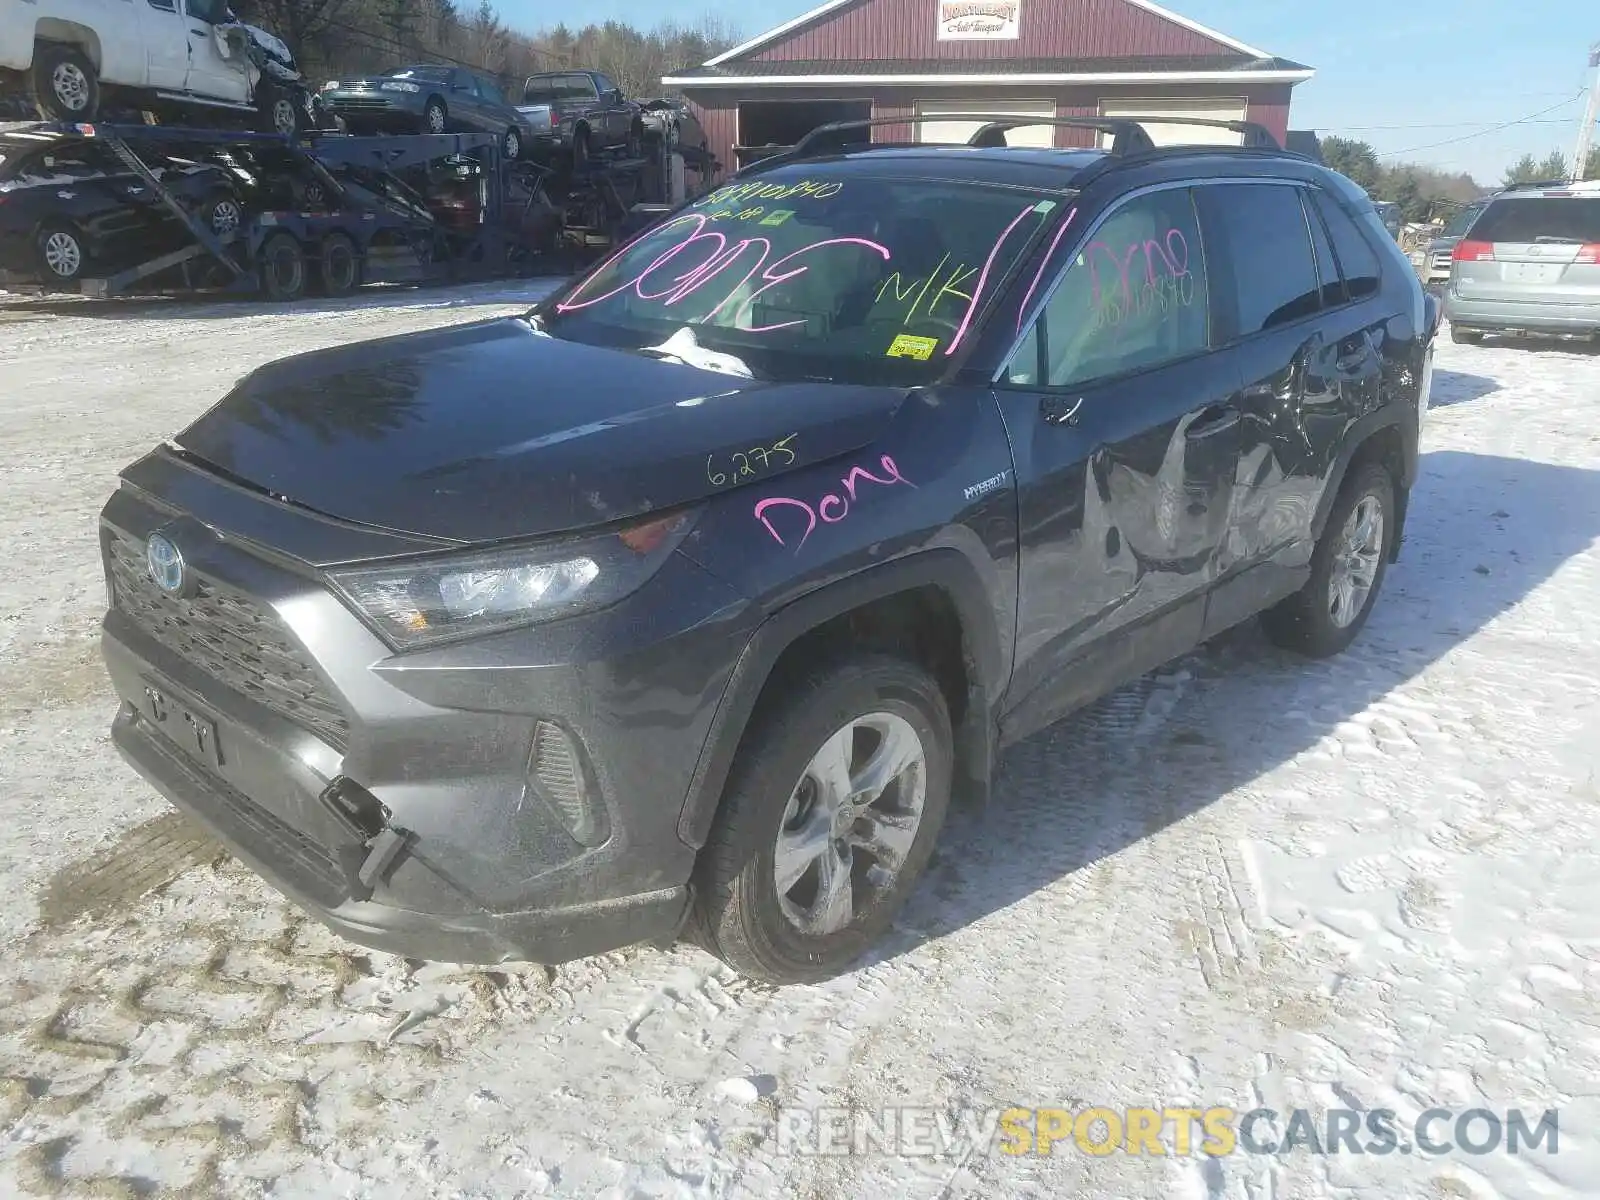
(1128, 136)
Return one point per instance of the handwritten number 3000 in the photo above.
(741, 467)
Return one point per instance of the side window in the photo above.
(67, 163)
(170, 6)
(1269, 244)
(583, 87)
(1134, 298)
(1357, 261)
(212, 12)
(490, 92)
(1333, 293)
(604, 84)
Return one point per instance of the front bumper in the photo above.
(384, 109)
(1522, 316)
(292, 698)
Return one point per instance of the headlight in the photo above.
(331, 86)
(427, 600)
(399, 87)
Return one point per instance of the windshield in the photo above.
(801, 275)
(1540, 218)
(431, 74)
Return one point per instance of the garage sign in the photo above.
(978, 20)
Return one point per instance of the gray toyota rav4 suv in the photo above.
(687, 600)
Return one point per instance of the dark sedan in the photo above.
(69, 210)
(428, 99)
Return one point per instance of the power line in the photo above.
(1485, 132)
(1449, 125)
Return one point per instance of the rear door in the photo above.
(1125, 433)
(1309, 352)
(1535, 247)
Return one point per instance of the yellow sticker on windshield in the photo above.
(907, 346)
(778, 217)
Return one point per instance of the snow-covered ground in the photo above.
(1247, 881)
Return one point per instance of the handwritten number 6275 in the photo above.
(746, 464)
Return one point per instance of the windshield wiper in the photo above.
(683, 347)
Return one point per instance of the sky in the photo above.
(1421, 83)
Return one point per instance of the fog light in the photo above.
(556, 775)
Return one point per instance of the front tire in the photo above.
(278, 113)
(1347, 569)
(66, 87)
(580, 149)
(62, 258)
(830, 816)
(511, 145)
(435, 118)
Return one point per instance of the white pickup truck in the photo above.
(159, 56)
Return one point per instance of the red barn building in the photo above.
(917, 59)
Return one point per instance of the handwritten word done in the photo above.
(658, 282)
(832, 507)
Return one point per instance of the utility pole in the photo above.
(1591, 116)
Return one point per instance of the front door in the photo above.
(466, 109)
(211, 74)
(1125, 433)
(165, 33)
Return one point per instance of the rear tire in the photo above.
(767, 823)
(1465, 337)
(281, 266)
(221, 213)
(511, 145)
(338, 266)
(1311, 622)
(580, 149)
(435, 117)
(66, 87)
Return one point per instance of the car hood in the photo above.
(492, 430)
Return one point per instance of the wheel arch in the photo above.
(902, 605)
(1388, 436)
(70, 33)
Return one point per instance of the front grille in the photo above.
(226, 634)
(361, 102)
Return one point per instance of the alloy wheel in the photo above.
(225, 218)
(71, 86)
(63, 255)
(284, 120)
(1355, 561)
(850, 823)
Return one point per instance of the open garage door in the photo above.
(935, 130)
(1174, 135)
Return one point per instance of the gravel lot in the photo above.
(1372, 882)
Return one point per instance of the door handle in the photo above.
(1215, 419)
(197, 33)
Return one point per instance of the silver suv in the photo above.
(1529, 265)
